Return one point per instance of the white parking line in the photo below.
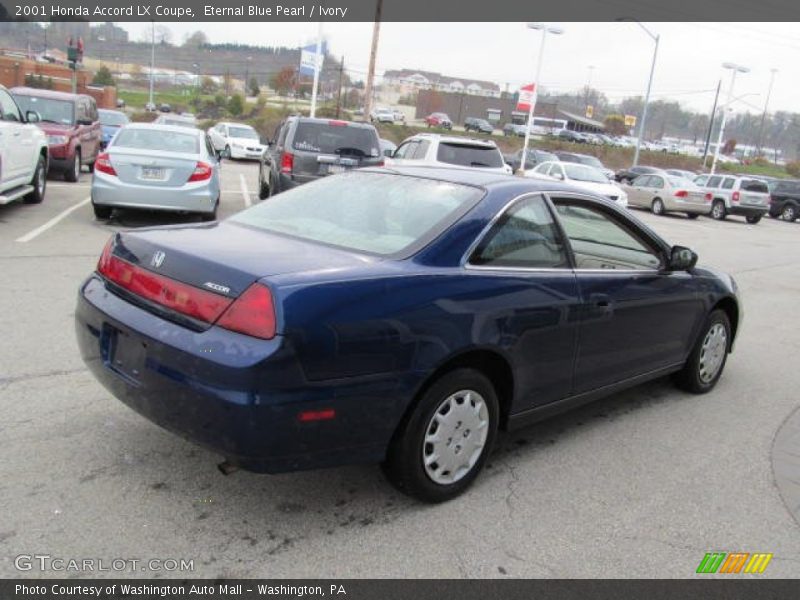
(42, 228)
(245, 193)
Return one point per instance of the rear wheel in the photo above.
(753, 219)
(101, 212)
(704, 366)
(39, 183)
(227, 152)
(440, 448)
(263, 189)
(73, 173)
(211, 216)
(789, 213)
(718, 210)
(692, 215)
(657, 207)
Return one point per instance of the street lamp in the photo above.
(656, 38)
(535, 95)
(734, 68)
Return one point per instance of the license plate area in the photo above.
(153, 174)
(122, 353)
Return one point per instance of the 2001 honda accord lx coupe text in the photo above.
(400, 316)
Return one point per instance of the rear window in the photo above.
(336, 139)
(157, 139)
(467, 155)
(377, 213)
(754, 185)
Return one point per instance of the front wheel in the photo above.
(789, 213)
(718, 210)
(658, 207)
(753, 219)
(39, 183)
(704, 366)
(263, 189)
(439, 449)
(73, 173)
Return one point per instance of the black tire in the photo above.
(718, 210)
(226, 153)
(212, 216)
(690, 378)
(692, 215)
(658, 207)
(753, 219)
(789, 213)
(263, 189)
(404, 462)
(39, 183)
(101, 212)
(74, 173)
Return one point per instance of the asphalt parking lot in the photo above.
(639, 485)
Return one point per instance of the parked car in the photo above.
(399, 115)
(516, 129)
(304, 149)
(585, 159)
(236, 140)
(164, 107)
(533, 158)
(23, 153)
(582, 177)
(785, 199)
(365, 318)
(72, 126)
(631, 173)
(448, 151)
(150, 107)
(438, 119)
(157, 167)
(478, 125)
(111, 121)
(382, 115)
(120, 103)
(736, 195)
(690, 175)
(177, 120)
(663, 193)
(387, 148)
(568, 135)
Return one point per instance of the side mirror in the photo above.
(32, 116)
(558, 176)
(388, 153)
(681, 258)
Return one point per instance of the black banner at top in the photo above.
(399, 10)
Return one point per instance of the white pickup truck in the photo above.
(23, 153)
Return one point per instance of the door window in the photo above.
(656, 182)
(10, 111)
(728, 183)
(525, 236)
(600, 241)
(713, 181)
(406, 150)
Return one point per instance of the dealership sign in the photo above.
(307, 59)
(526, 97)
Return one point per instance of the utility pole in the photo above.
(764, 114)
(339, 96)
(152, 60)
(711, 123)
(376, 30)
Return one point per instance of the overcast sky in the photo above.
(687, 70)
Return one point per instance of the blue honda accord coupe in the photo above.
(400, 316)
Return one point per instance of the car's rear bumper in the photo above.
(234, 394)
(748, 211)
(109, 191)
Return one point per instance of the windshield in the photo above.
(580, 172)
(587, 160)
(336, 139)
(377, 213)
(112, 118)
(243, 132)
(466, 155)
(156, 139)
(50, 111)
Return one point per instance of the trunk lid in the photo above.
(144, 167)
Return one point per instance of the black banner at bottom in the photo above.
(395, 589)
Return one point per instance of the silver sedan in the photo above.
(665, 193)
(157, 167)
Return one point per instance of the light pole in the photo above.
(588, 87)
(656, 38)
(152, 60)
(317, 67)
(766, 105)
(734, 68)
(535, 93)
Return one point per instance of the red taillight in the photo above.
(308, 416)
(103, 164)
(287, 162)
(735, 196)
(681, 194)
(252, 313)
(708, 196)
(174, 295)
(202, 171)
(381, 163)
(338, 123)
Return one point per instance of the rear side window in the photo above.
(326, 138)
(754, 185)
(422, 149)
(524, 237)
(467, 155)
(728, 183)
(713, 182)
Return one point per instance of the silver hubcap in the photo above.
(40, 178)
(455, 437)
(788, 214)
(77, 166)
(718, 210)
(657, 207)
(712, 352)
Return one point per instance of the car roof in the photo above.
(453, 138)
(163, 127)
(29, 91)
(301, 119)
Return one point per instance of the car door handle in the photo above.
(600, 305)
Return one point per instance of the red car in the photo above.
(72, 126)
(438, 119)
